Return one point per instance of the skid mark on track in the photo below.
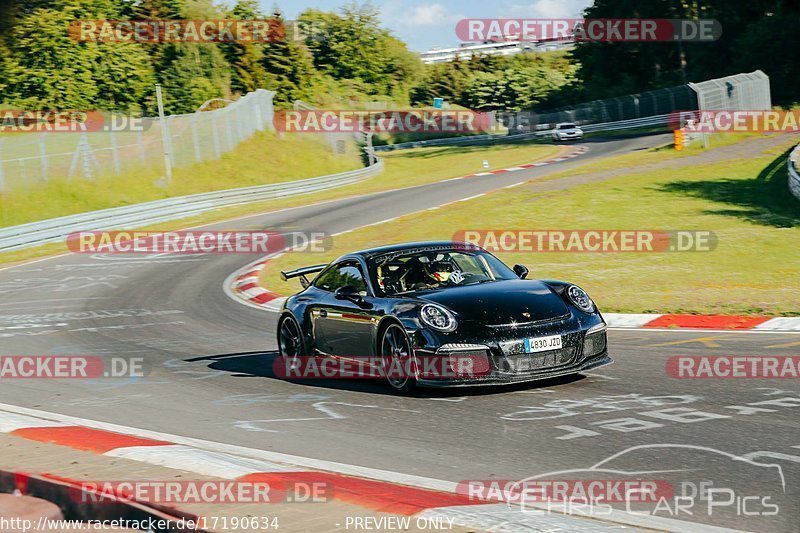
(325, 408)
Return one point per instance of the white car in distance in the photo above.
(567, 131)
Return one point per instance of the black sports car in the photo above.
(437, 314)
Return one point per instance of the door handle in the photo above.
(323, 313)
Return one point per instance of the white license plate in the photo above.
(543, 344)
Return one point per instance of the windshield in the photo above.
(566, 126)
(428, 270)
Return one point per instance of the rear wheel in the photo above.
(290, 342)
(398, 359)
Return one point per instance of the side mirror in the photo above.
(520, 271)
(348, 292)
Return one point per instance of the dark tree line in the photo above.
(756, 34)
(345, 57)
(350, 57)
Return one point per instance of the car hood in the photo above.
(501, 302)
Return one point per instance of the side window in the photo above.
(341, 275)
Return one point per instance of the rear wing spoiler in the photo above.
(302, 273)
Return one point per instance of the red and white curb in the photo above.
(243, 285)
(715, 322)
(379, 490)
(580, 150)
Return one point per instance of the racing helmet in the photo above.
(442, 270)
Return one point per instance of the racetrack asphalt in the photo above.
(208, 363)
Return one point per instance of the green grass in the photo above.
(407, 168)
(755, 268)
(260, 160)
(425, 165)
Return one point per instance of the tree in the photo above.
(46, 67)
(155, 9)
(245, 58)
(444, 80)
(289, 67)
(190, 73)
(193, 74)
(351, 45)
(755, 35)
(125, 77)
(763, 46)
(404, 67)
(486, 91)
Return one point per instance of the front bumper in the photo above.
(508, 362)
(496, 378)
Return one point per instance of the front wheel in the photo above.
(397, 358)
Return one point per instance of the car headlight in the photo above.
(579, 297)
(438, 318)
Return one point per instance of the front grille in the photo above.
(467, 360)
(515, 360)
(531, 362)
(594, 344)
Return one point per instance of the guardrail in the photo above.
(631, 124)
(636, 123)
(465, 140)
(794, 172)
(56, 229)
(191, 138)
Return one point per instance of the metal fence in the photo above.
(749, 91)
(148, 213)
(648, 110)
(340, 140)
(629, 107)
(27, 159)
(656, 121)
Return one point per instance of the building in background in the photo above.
(491, 48)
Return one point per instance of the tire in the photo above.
(396, 347)
(290, 340)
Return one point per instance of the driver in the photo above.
(443, 271)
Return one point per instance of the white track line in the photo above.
(214, 458)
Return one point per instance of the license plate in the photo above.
(543, 344)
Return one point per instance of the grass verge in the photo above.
(260, 160)
(403, 169)
(755, 268)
